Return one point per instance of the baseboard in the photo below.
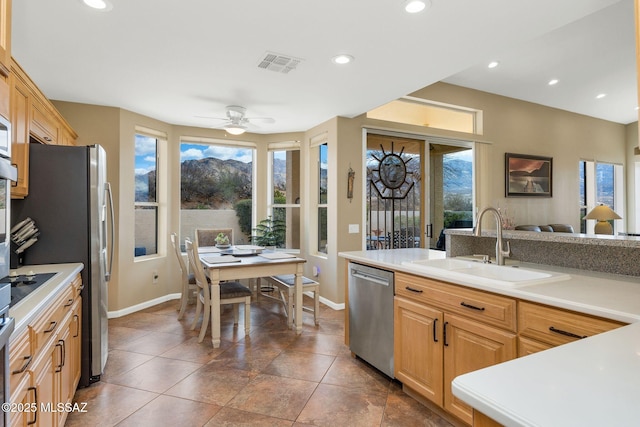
(169, 297)
(142, 306)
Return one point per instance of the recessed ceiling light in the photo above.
(553, 82)
(101, 5)
(600, 96)
(415, 6)
(493, 64)
(342, 59)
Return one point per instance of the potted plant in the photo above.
(222, 240)
(270, 232)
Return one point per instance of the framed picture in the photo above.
(527, 176)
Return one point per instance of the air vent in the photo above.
(279, 63)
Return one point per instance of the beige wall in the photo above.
(509, 126)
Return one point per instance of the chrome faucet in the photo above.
(477, 231)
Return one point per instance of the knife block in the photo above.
(16, 260)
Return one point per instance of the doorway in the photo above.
(405, 210)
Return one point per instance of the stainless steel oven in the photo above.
(8, 173)
(6, 328)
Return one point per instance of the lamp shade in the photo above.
(602, 214)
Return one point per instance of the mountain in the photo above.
(458, 176)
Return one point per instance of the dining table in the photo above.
(249, 262)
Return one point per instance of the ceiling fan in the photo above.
(236, 123)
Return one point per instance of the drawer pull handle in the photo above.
(35, 400)
(27, 360)
(435, 330)
(52, 326)
(410, 289)
(444, 334)
(69, 303)
(473, 307)
(566, 334)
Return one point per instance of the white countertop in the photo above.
(590, 382)
(33, 303)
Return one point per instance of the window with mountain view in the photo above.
(216, 189)
(323, 150)
(146, 195)
(599, 183)
(284, 200)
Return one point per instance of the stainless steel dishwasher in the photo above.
(371, 315)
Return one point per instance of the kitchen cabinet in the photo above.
(32, 116)
(5, 36)
(45, 360)
(20, 112)
(541, 327)
(442, 331)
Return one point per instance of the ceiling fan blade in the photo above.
(212, 118)
(264, 120)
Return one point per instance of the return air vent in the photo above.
(279, 63)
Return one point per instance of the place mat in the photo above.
(276, 255)
(220, 259)
(208, 250)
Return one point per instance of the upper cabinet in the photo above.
(5, 37)
(33, 117)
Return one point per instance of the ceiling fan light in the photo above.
(235, 129)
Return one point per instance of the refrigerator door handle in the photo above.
(107, 187)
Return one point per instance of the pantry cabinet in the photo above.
(442, 331)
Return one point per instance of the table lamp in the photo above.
(603, 214)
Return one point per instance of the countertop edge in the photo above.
(27, 309)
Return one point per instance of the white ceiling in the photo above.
(174, 60)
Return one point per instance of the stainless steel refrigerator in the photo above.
(70, 201)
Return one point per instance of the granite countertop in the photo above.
(590, 382)
(25, 310)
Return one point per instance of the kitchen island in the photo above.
(586, 382)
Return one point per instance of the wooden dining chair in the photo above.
(230, 293)
(188, 280)
(207, 236)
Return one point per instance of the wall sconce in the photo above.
(603, 214)
(350, 178)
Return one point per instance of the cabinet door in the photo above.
(24, 393)
(75, 345)
(469, 346)
(20, 108)
(418, 348)
(5, 36)
(528, 346)
(45, 381)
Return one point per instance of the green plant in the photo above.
(222, 239)
(243, 212)
(270, 232)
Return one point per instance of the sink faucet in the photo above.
(477, 231)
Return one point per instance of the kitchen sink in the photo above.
(475, 271)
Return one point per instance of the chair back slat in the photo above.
(197, 268)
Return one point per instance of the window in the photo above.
(421, 112)
(146, 195)
(600, 183)
(284, 197)
(322, 197)
(216, 189)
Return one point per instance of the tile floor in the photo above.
(157, 374)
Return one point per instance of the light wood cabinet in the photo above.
(45, 360)
(5, 36)
(442, 331)
(20, 118)
(32, 116)
(541, 327)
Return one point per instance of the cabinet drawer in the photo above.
(77, 286)
(556, 326)
(49, 323)
(20, 357)
(482, 306)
